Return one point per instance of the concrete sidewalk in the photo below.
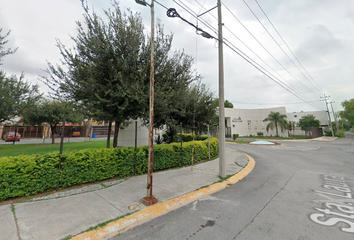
(58, 218)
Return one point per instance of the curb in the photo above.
(326, 140)
(126, 223)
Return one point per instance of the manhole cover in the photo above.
(134, 207)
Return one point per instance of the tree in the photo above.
(290, 126)
(103, 71)
(108, 71)
(53, 112)
(16, 94)
(276, 119)
(3, 41)
(180, 97)
(198, 111)
(348, 112)
(227, 104)
(308, 122)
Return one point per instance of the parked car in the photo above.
(10, 137)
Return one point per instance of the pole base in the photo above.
(148, 201)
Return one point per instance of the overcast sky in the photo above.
(319, 32)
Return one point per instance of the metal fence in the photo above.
(43, 134)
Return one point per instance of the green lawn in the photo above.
(237, 141)
(26, 149)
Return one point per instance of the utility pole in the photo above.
(325, 98)
(150, 199)
(222, 168)
(173, 13)
(334, 115)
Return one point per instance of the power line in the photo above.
(281, 49)
(266, 48)
(319, 87)
(161, 5)
(244, 56)
(248, 59)
(251, 103)
(290, 85)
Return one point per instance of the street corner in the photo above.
(244, 172)
(128, 222)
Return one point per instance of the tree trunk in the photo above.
(109, 134)
(52, 128)
(116, 131)
(172, 134)
(276, 129)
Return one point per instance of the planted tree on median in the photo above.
(276, 119)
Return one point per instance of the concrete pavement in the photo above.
(58, 218)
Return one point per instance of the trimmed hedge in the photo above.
(189, 137)
(26, 175)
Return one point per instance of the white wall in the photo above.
(320, 115)
(250, 121)
(126, 136)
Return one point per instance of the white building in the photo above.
(246, 122)
(126, 136)
(320, 115)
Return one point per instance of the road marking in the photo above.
(335, 210)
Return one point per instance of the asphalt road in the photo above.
(298, 190)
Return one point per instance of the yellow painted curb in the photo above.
(124, 224)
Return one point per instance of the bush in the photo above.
(260, 134)
(328, 132)
(26, 175)
(340, 134)
(189, 137)
(234, 136)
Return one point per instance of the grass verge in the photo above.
(40, 149)
(237, 141)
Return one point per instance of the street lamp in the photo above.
(150, 199)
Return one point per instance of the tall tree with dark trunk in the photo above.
(102, 71)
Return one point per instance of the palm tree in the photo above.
(276, 119)
(290, 126)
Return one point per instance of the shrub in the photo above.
(328, 132)
(26, 175)
(189, 137)
(234, 136)
(260, 134)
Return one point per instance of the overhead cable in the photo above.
(282, 50)
(244, 56)
(249, 59)
(290, 85)
(319, 87)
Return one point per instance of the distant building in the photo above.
(320, 115)
(246, 122)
